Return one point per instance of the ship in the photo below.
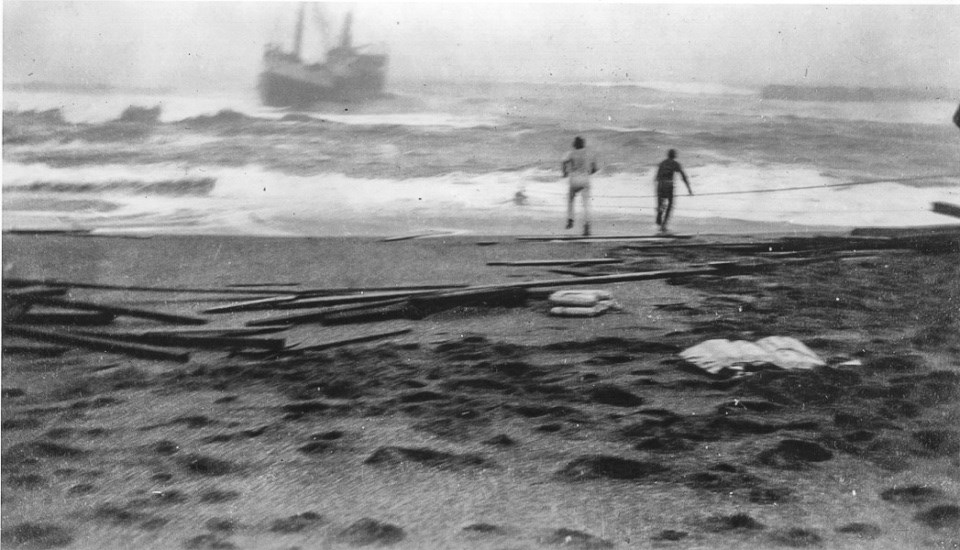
(348, 73)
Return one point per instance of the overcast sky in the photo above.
(219, 44)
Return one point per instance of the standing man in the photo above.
(665, 173)
(579, 164)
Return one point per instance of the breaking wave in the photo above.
(173, 188)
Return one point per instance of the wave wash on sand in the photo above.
(252, 200)
(455, 157)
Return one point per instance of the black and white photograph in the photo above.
(487, 275)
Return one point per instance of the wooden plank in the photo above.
(252, 305)
(409, 237)
(76, 318)
(193, 341)
(129, 312)
(38, 350)
(606, 238)
(379, 314)
(100, 286)
(225, 331)
(946, 209)
(353, 340)
(324, 301)
(261, 285)
(98, 343)
(572, 262)
(608, 279)
(33, 292)
(318, 315)
(484, 296)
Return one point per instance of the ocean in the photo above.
(478, 158)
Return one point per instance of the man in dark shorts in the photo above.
(665, 173)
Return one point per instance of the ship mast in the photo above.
(345, 37)
(298, 37)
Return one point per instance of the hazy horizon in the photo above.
(210, 45)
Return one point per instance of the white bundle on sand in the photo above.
(580, 303)
(723, 357)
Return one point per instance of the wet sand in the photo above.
(492, 427)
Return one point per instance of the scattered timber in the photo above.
(317, 316)
(491, 296)
(98, 286)
(607, 279)
(76, 318)
(226, 331)
(409, 237)
(353, 340)
(33, 292)
(252, 305)
(98, 343)
(946, 209)
(341, 299)
(37, 350)
(571, 262)
(605, 238)
(401, 310)
(123, 311)
(193, 341)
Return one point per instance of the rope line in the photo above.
(774, 190)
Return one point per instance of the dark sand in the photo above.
(492, 428)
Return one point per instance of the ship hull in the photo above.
(293, 86)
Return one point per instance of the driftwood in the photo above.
(572, 262)
(98, 343)
(324, 301)
(252, 305)
(946, 209)
(99, 286)
(353, 340)
(606, 238)
(128, 312)
(401, 310)
(492, 296)
(193, 341)
(32, 293)
(223, 331)
(76, 318)
(38, 350)
(317, 316)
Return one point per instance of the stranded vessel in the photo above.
(347, 74)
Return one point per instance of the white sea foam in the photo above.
(78, 109)
(252, 200)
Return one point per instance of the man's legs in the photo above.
(571, 194)
(586, 211)
(668, 207)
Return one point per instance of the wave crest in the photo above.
(174, 187)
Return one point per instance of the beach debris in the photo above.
(721, 357)
(493, 296)
(659, 237)
(581, 303)
(99, 343)
(579, 298)
(262, 303)
(71, 318)
(118, 311)
(571, 262)
(946, 209)
(193, 340)
(352, 340)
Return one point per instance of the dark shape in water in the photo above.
(347, 74)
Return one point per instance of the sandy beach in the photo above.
(490, 427)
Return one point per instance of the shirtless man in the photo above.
(579, 164)
(665, 173)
